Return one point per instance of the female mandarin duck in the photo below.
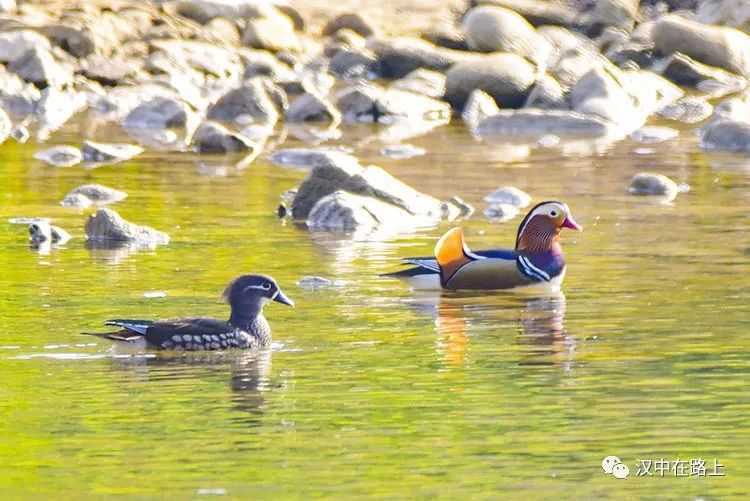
(536, 260)
(246, 328)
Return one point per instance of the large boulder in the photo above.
(496, 29)
(159, 113)
(107, 227)
(397, 57)
(726, 48)
(506, 77)
(249, 103)
(726, 134)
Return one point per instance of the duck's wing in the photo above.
(460, 268)
(159, 332)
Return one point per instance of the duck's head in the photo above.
(247, 294)
(540, 229)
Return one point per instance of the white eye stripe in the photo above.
(259, 287)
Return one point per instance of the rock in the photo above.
(55, 107)
(5, 126)
(535, 124)
(203, 57)
(212, 137)
(263, 63)
(683, 70)
(18, 97)
(109, 71)
(646, 183)
(60, 156)
(107, 226)
(726, 134)
(653, 134)
(312, 108)
(340, 196)
(725, 48)
(76, 201)
(734, 13)
(224, 30)
(159, 113)
(402, 151)
(274, 32)
(41, 231)
(619, 13)
(109, 152)
(313, 283)
(509, 195)
(501, 212)
(496, 29)
(98, 194)
(39, 67)
(397, 57)
(250, 102)
(540, 13)
(353, 63)
(465, 209)
(20, 133)
(446, 35)
(564, 40)
(349, 21)
(421, 81)
(14, 44)
(77, 41)
(303, 157)
(546, 95)
(574, 63)
(479, 106)
(506, 77)
(687, 110)
(203, 11)
(370, 103)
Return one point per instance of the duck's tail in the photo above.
(132, 330)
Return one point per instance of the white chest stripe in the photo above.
(533, 270)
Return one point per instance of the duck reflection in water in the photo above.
(539, 321)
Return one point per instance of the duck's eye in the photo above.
(553, 213)
(266, 286)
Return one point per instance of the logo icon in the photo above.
(613, 466)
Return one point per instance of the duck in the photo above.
(246, 328)
(536, 260)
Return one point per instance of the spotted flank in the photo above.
(202, 342)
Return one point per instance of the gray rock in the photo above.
(249, 102)
(98, 194)
(39, 67)
(564, 40)
(159, 113)
(314, 283)
(402, 151)
(18, 98)
(109, 71)
(574, 63)
(540, 13)
(546, 95)
(509, 195)
(349, 21)
(397, 57)
(60, 156)
(600, 93)
(688, 110)
(726, 134)
(479, 106)
(445, 34)
(646, 183)
(20, 133)
(535, 124)
(734, 13)
(312, 108)
(653, 134)
(501, 212)
(14, 44)
(496, 29)
(41, 231)
(353, 63)
(5, 126)
(109, 152)
(212, 137)
(344, 211)
(76, 201)
(55, 107)
(203, 11)
(506, 77)
(304, 157)
(725, 48)
(206, 58)
(619, 13)
(370, 103)
(425, 82)
(263, 63)
(107, 226)
(273, 31)
(683, 70)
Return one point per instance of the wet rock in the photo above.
(314, 283)
(397, 57)
(683, 70)
(654, 134)
(20, 133)
(535, 124)
(425, 82)
(109, 152)
(509, 195)
(726, 134)
(95, 194)
(506, 77)
(18, 97)
(5, 126)
(14, 44)
(55, 107)
(402, 151)
(546, 95)
(479, 106)
(263, 63)
(349, 21)
(212, 137)
(304, 157)
(465, 209)
(108, 227)
(501, 212)
(725, 48)
(370, 103)
(158, 113)
(353, 63)
(273, 31)
(250, 102)
(687, 110)
(496, 29)
(41, 231)
(76, 201)
(344, 211)
(60, 156)
(312, 108)
(39, 67)
(109, 71)
(646, 183)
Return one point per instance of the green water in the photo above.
(371, 390)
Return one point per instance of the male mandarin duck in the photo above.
(536, 260)
(246, 328)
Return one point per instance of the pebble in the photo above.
(402, 151)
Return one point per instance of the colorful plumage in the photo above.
(536, 260)
(246, 328)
